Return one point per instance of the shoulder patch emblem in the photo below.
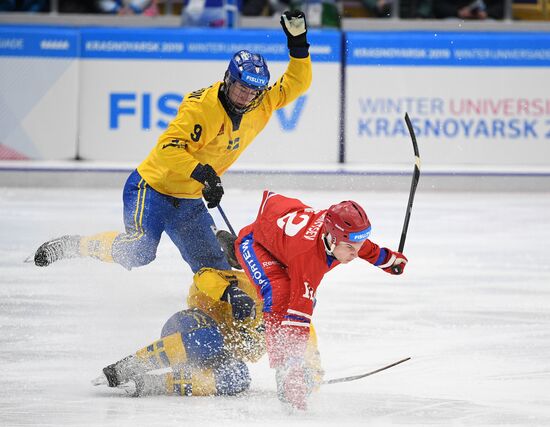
(176, 143)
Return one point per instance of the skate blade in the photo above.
(101, 380)
(30, 258)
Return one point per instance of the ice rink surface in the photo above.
(472, 311)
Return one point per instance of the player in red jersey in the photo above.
(285, 253)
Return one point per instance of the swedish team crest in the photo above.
(233, 144)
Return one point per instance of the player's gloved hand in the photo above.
(292, 388)
(394, 262)
(295, 27)
(213, 190)
(242, 306)
(227, 242)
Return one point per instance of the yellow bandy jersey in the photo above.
(202, 132)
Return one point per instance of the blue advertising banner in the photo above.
(32, 41)
(200, 44)
(126, 105)
(454, 49)
(158, 44)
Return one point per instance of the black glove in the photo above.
(213, 190)
(242, 306)
(295, 27)
(227, 242)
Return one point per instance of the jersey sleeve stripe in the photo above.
(381, 257)
(389, 263)
(297, 318)
(299, 313)
(290, 323)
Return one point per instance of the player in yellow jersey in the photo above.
(211, 130)
(203, 350)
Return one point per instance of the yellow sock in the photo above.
(168, 351)
(189, 381)
(99, 246)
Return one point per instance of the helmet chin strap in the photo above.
(229, 107)
(329, 247)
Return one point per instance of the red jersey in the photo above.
(292, 234)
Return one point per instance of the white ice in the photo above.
(472, 311)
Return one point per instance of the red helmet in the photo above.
(347, 222)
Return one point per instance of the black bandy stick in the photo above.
(414, 183)
(222, 213)
(358, 377)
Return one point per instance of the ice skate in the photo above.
(138, 386)
(121, 372)
(54, 250)
(108, 378)
(111, 376)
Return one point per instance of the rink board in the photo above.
(474, 99)
(132, 85)
(38, 93)
(105, 94)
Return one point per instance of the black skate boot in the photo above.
(109, 377)
(110, 374)
(226, 241)
(54, 250)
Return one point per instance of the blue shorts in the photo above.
(147, 213)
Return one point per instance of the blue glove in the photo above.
(242, 306)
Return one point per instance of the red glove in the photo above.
(292, 389)
(394, 263)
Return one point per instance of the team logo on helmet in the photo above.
(254, 79)
(360, 235)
